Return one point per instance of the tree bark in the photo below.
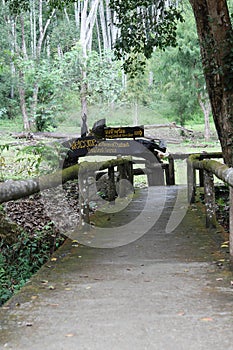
(215, 35)
(103, 26)
(206, 108)
(26, 124)
(22, 93)
(23, 46)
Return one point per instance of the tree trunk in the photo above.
(22, 94)
(88, 18)
(206, 108)
(26, 124)
(215, 35)
(34, 104)
(103, 26)
(23, 46)
(135, 119)
(33, 29)
(77, 11)
(207, 124)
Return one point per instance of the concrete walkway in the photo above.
(162, 291)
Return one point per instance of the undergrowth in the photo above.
(20, 260)
(222, 205)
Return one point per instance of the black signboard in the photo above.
(92, 146)
(78, 148)
(123, 132)
(111, 141)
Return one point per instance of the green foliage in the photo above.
(44, 76)
(17, 6)
(70, 68)
(178, 74)
(30, 161)
(38, 159)
(59, 4)
(45, 119)
(144, 25)
(104, 78)
(57, 72)
(8, 94)
(2, 160)
(9, 125)
(63, 35)
(23, 258)
(137, 89)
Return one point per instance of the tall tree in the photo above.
(141, 34)
(92, 15)
(216, 38)
(94, 31)
(88, 17)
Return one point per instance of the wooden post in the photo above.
(209, 199)
(111, 184)
(155, 175)
(123, 176)
(167, 175)
(201, 177)
(130, 172)
(84, 219)
(191, 175)
(171, 170)
(231, 225)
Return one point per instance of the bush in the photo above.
(20, 260)
(45, 120)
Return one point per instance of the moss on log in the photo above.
(12, 190)
(220, 170)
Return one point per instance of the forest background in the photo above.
(57, 65)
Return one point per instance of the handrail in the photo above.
(222, 171)
(209, 168)
(16, 189)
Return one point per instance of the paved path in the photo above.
(162, 291)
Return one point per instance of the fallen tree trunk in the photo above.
(42, 135)
(169, 125)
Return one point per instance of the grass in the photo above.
(194, 147)
(117, 116)
(10, 125)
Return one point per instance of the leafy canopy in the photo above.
(144, 25)
(17, 6)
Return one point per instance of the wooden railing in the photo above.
(88, 171)
(157, 174)
(207, 168)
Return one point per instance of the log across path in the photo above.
(165, 290)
